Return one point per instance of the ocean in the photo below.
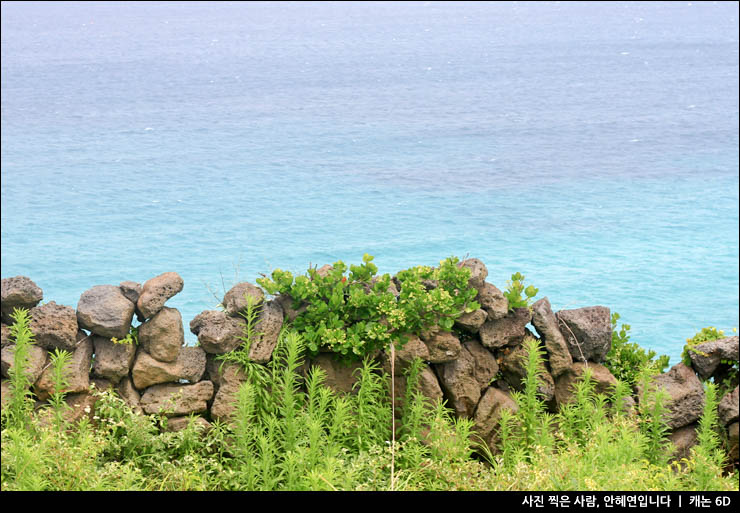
(593, 147)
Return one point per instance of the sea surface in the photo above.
(593, 147)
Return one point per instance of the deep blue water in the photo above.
(591, 146)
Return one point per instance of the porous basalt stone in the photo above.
(147, 371)
(472, 321)
(37, 359)
(176, 424)
(462, 380)
(5, 336)
(507, 331)
(157, 291)
(230, 379)
(728, 407)
(686, 395)
(129, 394)
(427, 384)
(513, 368)
(162, 336)
(340, 376)
(493, 301)
(587, 331)
(546, 325)
(413, 348)
(105, 311)
(217, 332)
(18, 292)
(112, 361)
(487, 415)
(269, 324)
(706, 357)
(683, 439)
(54, 326)
(290, 311)
(443, 347)
(131, 289)
(77, 372)
(478, 272)
(603, 379)
(235, 300)
(176, 400)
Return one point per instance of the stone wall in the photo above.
(475, 371)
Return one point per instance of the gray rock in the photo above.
(462, 380)
(493, 301)
(37, 360)
(443, 347)
(131, 289)
(269, 324)
(18, 292)
(478, 272)
(105, 311)
(77, 372)
(686, 395)
(6, 337)
(732, 441)
(112, 361)
(217, 332)
(147, 371)
(508, 331)
(706, 357)
(546, 324)
(54, 326)
(472, 321)
(728, 408)
(235, 300)
(324, 270)
(177, 400)
(603, 379)
(587, 331)
(162, 336)
(514, 371)
(157, 291)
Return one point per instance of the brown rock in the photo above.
(176, 400)
(77, 372)
(587, 331)
(478, 272)
(443, 347)
(427, 384)
(18, 292)
(604, 381)
(732, 441)
(472, 321)
(487, 415)
(706, 357)
(105, 311)
(37, 359)
(147, 371)
(683, 439)
(6, 336)
(514, 371)
(546, 324)
(235, 300)
(162, 336)
(175, 424)
(112, 361)
(728, 408)
(493, 301)
(289, 310)
(413, 348)
(268, 326)
(5, 393)
(686, 395)
(157, 291)
(129, 394)
(131, 289)
(463, 379)
(217, 332)
(231, 377)
(340, 376)
(54, 326)
(508, 331)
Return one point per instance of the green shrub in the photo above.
(626, 360)
(356, 314)
(513, 292)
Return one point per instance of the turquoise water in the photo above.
(592, 147)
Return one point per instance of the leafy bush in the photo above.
(513, 292)
(626, 360)
(356, 314)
